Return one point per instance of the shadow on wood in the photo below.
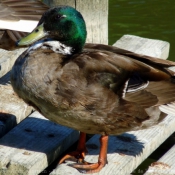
(33, 145)
(124, 144)
(34, 134)
(7, 121)
(131, 146)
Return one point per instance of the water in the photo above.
(146, 18)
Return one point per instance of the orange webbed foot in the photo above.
(79, 155)
(89, 168)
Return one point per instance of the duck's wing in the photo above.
(21, 10)
(14, 18)
(140, 79)
(140, 57)
(9, 38)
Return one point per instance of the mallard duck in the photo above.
(17, 18)
(93, 88)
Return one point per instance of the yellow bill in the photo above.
(35, 35)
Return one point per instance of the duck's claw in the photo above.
(77, 156)
(89, 168)
(80, 153)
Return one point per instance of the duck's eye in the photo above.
(36, 30)
(58, 17)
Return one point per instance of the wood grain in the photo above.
(53, 3)
(31, 146)
(164, 166)
(7, 59)
(95, 14)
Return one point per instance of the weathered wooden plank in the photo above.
(21, 20)
(164, 166)
(54, 3)
(154, 48)
(12, 109)
(95, 13)
(127, 151)
(31, 146)
(7, 59)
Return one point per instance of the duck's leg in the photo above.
(102, 160)
(80, 152)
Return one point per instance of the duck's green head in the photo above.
(62, 23)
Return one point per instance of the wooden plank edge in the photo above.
(144, 46)
(12, 109)
(7, 59)
(33, 144)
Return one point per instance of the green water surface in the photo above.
(146, 18)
